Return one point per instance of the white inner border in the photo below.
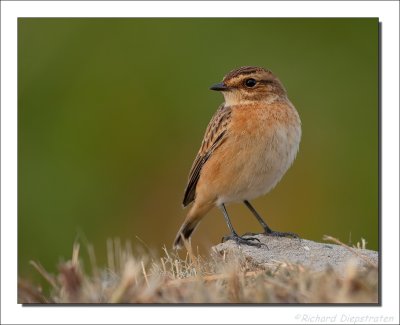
(388, 13)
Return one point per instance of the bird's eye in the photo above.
(250, 82)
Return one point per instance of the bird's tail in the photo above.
(189, 225)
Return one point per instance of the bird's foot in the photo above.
(281, 234)
(269, 232)
(250, 241)
(272, 233)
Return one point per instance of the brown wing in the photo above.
(213, 138)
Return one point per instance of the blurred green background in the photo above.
(111, 113)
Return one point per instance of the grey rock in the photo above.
(313, 255)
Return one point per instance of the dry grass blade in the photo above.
(145, 274)
(352, 250)
(46, 275)
(28, 293)
(127, 280)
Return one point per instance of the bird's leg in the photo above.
(267, 230)
(234, 236)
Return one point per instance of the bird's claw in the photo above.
(281, 234)
(245, 241)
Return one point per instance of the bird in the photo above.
(249, 144)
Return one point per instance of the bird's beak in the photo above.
(219, 87)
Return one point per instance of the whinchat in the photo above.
(249, 144)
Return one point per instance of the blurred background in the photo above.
(111, 113)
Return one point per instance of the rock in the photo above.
(313, 255)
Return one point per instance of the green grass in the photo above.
(144, 278)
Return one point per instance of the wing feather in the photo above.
(213, 138)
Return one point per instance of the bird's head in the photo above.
(248, 85)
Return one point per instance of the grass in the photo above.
(144, 278)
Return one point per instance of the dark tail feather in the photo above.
(185, 232)
(192, 220)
